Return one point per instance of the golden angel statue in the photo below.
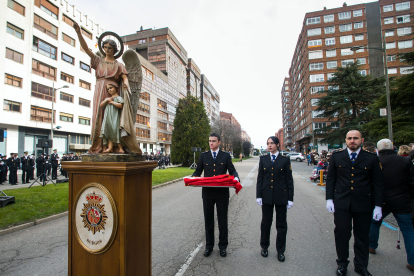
(113, 77)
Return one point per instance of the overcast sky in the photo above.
(244, 47)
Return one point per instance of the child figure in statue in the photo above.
(110, 130)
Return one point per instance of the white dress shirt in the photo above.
(271, 155)
(350, 151)
(212, 154)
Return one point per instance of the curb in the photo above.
(49, 218)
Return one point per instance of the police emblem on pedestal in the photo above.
(95, 218)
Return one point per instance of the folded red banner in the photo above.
(224, 180)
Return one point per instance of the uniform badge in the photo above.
(380, 165)
(93, 213)
(290, 166)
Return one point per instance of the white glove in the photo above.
(330, 206)
(236, 178)
(377, 213)
(259, 201)
(290, 204)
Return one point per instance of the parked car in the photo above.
(299, 157)
(284, 153)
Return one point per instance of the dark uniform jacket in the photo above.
(357, 187)
(274, 180)
(13, 164)
(212, 168)
(26, 163)
(54, 159)
(398, 181)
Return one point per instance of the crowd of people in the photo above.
(162, 159)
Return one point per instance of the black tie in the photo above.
(353, 157)
(214, 153)
(273, 158)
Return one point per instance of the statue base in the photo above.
(112, 157)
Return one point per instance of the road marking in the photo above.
(314, 184)
(250, 177)
(389, 226)
(323, 189)
(189, 259)
(308, 180)
(303, 177)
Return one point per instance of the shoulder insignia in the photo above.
(290, 166)
(380, 165)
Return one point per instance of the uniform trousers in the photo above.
(13, 177)
(25, 176)
(54, 172)
(281, 226)
(345, 220)
(222, 209)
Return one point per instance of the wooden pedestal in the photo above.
(130, 184)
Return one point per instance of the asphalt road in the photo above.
(178, 236)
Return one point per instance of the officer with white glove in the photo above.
(274, 191)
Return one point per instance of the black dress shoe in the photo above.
(207, 252)
(265, 253)
(223, 253)
(341, 270)
(363, 272)
(281, 257)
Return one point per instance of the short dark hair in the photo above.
(368, 144)
(370, 149)
(215, 135)
(112, 43)
(275, 140)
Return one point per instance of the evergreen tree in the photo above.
(246, 148)
(191, 129)
(402, 108)
(347, 99)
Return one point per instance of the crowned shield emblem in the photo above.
(93, 213)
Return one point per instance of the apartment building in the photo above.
(40, 51)
(286, 115)
(325, 43)
(279, 135)
(211, 100)
(245, 137)
(193, 79)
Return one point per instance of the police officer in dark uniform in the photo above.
(13, 164)
(76, 158)
(64, 158)
(32, 167)
(54, 160)
(4, 169)
(1, 169)
(47, 166)
(39, 165)
(26, 167)
(354, 186)
(274, 190)
(215, 162)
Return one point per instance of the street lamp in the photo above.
(53, 99)
(387, 84)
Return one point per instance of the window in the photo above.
(42, 92)
(390, 45)
(86, 33)
(65, 117)
(162, 125)
(346, 52)
(316, 113)
(44, 48)
(345, 27)
(359, 37)
(388, 20)
(43, 70)
(363, 72)
(68, 39)
(389, 33)
(346, 39)
(315, 54)
(68, 58)
(331, 53)
(388, 8)
(361, 49)
(329, 76)
(13, 55)
(357, 13)
(13, 30)
(405, 44)
(406, 70)
(404, 31)
(317, 78)
(344, 15)
(164, 136)
(319, 125)
(45, 27)
(328, 18)
(143, 120)
(402, 6)
(41, 114)
(67, 20)
(313, 20)
(392, 58)
(84, 121)
(162, 104)
(314, 43)
(84, 84)
(12, 106)
(15, 6)
(143, 133)
(66, 77)
(316, 66)
(85, 67)
(347, 62)
(333, 87)
(361, 60)
(144, 108)
(12, 80)
(313, 32)
(358, 25)
(314, 102)
(145, 96)
(48, 8)
(331, 64)
(335, 125)
(330, 41)
(162, 115)
(330, 30)
(66, 97)
(84, 102)
(392, 70)
(403, 19)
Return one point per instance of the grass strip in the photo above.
(234, 160)
(162, 176)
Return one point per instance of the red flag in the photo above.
(223, 180)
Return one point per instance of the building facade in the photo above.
(40, 51)
(245, 137)
(325, 43)
(279, 135)
(286, 115)
(211, 100)
(193, 79)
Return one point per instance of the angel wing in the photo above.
(134, 69)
